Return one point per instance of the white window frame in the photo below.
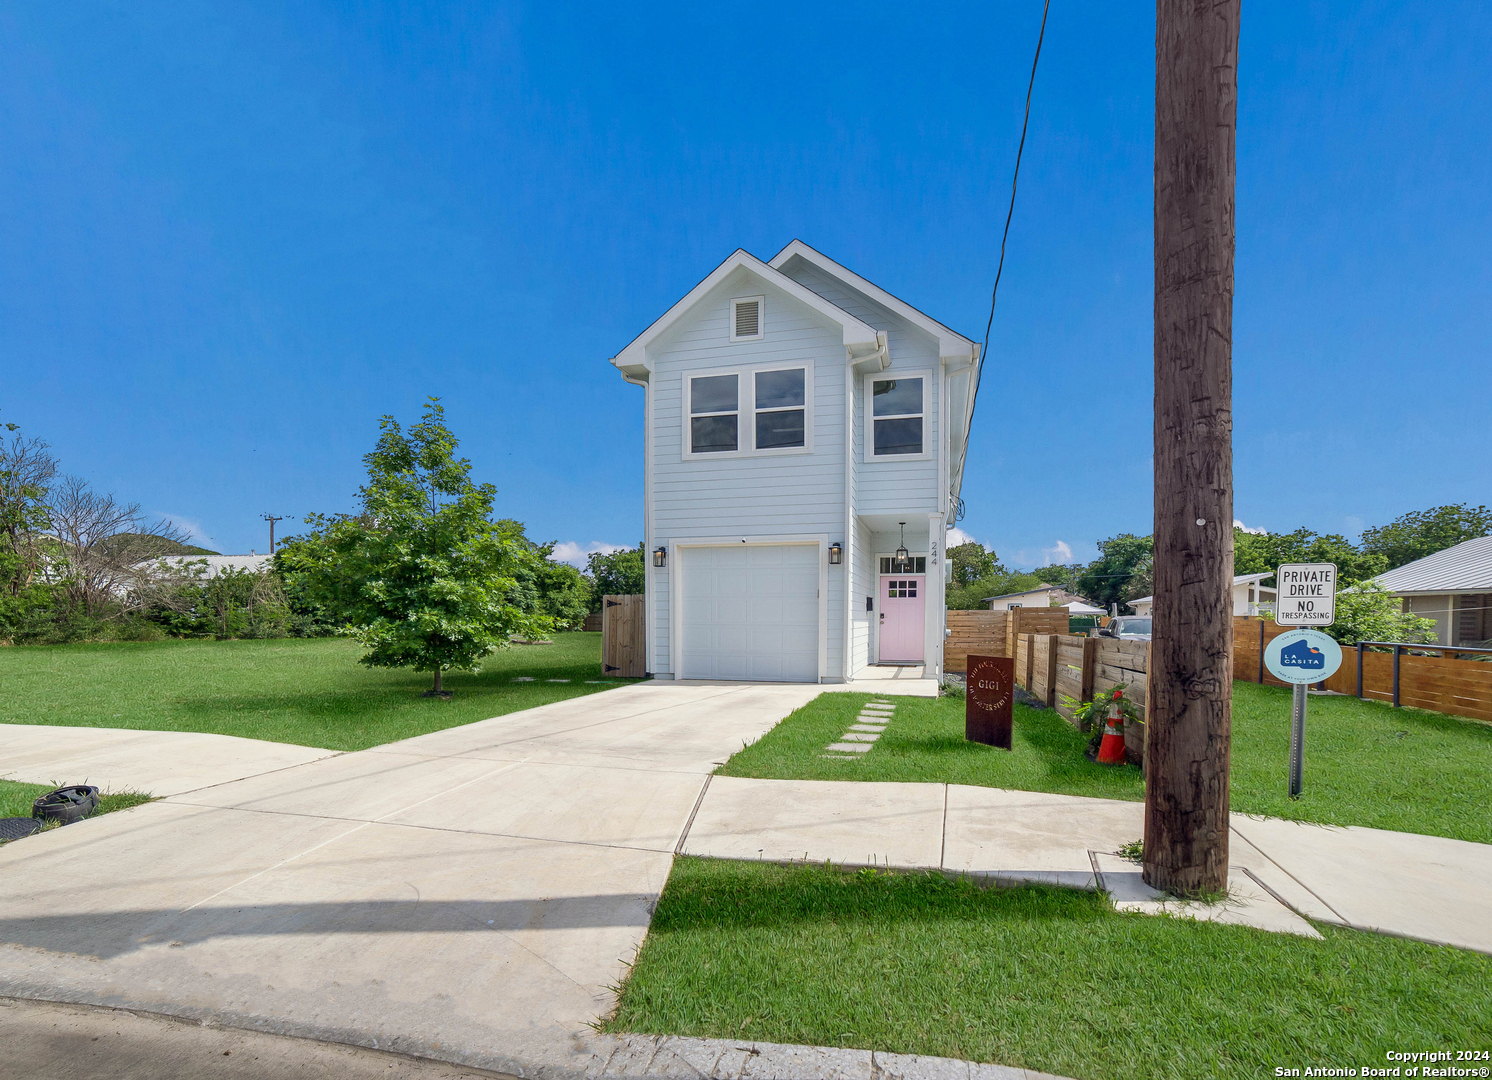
(688, 427)
(868, 451)
(761, 317)
(746, 413)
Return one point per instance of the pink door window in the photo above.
(903, 603)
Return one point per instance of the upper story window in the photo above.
(746, 318)
(781, 398)
(714, 412)
(760, 410)
(897, 414)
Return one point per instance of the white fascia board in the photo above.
(855, 331)
(961, 415)
(950, 342)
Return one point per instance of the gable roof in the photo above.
(950, 342)
(1467, 567)
(633, 359)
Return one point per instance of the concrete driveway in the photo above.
(467, 895)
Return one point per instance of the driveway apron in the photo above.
(469, 895)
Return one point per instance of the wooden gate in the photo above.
(624, 636)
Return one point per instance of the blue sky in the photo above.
(235, 235)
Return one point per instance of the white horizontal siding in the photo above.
(751, 496)
(888, 486)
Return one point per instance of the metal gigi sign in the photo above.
(989, 706)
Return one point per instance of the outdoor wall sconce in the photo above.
(836, 554)
(660, 556)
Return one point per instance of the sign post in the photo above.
(1305, 595)
(989, 703)
(1301, 657)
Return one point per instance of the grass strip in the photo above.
(1366, 763)
(1039, 978)
(16, 799)
(311, 692)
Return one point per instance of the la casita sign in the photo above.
(1306, 594)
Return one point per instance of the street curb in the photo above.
(581, 1056)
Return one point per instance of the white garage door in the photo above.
(750, 612)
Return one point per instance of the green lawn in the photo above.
(1046, 979)
(1366, 763)
(16, 798)
(312, 692)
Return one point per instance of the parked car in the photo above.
(1128, 628)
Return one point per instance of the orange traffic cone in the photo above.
(1111, 750)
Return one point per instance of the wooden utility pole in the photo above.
(1191, 669)
(271, 519)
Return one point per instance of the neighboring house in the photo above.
(803, 454)
(216, 564)
(1453, 587)
(1041, 596)
(1249, 597)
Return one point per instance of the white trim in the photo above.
(761, 318)
(745, 413)
(868, 454)
(855, 331)
(950, 342)
(675, 594)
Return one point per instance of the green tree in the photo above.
(564, 592)
(1424, 532)
(618, 573)
(1106, 579)
(972, 562)
(26, 472)
(1263, 553)
(423, 577)
(1368, 612)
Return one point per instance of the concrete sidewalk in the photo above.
(1424, 887)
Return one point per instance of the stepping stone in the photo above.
(556, 680)
(524, 678)
(873, 709)
(860, 736)
(879, 718)
(839, 757)
(875, 728)
(849, 748)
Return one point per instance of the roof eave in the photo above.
(855, 332)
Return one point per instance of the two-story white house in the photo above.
(804, 450)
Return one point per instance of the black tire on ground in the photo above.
(13, 828)
(66, 804)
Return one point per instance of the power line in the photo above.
(1010, 213)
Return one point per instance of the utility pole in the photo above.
(271, 519)
(1189, 709)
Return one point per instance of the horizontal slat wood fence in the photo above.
(974, 633)
(994, 633)
(1075, 656)
(1439, 683)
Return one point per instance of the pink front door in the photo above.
(903, 602)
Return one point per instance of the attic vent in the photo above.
(746, 318)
